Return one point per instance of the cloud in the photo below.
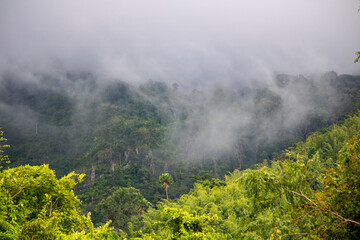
(184, 41)
(199, 44)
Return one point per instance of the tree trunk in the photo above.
(167, 197)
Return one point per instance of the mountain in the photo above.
(126, 135)
(311, 192)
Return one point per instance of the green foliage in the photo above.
(179, 224)
(121, 206)
(118, 93)
(4, 158)
(341, 195)
(183, 225)
(166, 179)
(122, 136)
(205, 205)
(306, 199)
(357, 58)
(92, 233)
(34, 204)
(311, 192)
(325, 145)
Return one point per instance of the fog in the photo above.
(194, 43)
(203, 44)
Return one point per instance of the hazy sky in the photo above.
(187, 41)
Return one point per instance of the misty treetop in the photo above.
(75, 117)
(306, 193)
(192, 44)
(122, 135)
(182, 120)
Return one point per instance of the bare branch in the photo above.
(17, 192)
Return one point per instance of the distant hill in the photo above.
(311, 191)
(124, 135)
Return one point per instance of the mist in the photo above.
(225, 56)
(192, 43)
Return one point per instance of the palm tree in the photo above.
(166, 180)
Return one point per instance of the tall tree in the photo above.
(34, 204)
(121, 206)
(166, 179)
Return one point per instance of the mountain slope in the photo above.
(123, 135)
(307, 192)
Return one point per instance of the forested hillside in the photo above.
(179, 119)
(123, 137)
(311, 191)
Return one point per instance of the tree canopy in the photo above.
(4, 158)
(166, 179)
(121, 206)
(34, 204)
(307, 193)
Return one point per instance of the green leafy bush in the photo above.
(34, 204)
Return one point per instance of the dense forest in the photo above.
(123, 135)
(242, 162)
(179, 120)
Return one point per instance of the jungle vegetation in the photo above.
(281, 174)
